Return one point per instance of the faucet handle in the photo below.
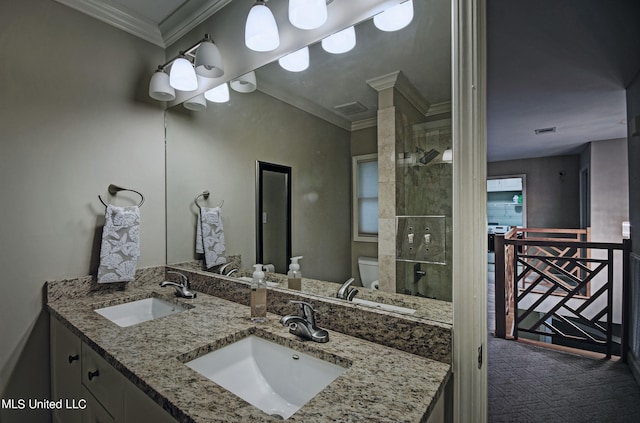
(184, 280)
(307, 311)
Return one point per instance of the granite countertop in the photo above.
(380, 383)
(426, 308)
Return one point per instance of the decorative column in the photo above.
(392, 89)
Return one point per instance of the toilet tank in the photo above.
(368, 267)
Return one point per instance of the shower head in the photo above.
(427, 156)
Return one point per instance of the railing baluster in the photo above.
(609, 302)
(500, 292)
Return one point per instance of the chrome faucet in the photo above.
(305, 326)
(223, 269)
(347, 292)
(182, 289)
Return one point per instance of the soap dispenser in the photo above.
(258, 295)
(294, 275)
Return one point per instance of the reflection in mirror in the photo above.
(315, 121)
(273, 216)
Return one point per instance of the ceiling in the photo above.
(550, 64)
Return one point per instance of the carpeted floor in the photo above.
(531, 384)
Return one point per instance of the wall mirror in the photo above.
(314, 122)
(273, 215)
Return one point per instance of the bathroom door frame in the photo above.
(469, 358)
(262, 167)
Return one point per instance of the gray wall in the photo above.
(633, 153)
(552, 189)
(217, 150)
(609, 189)
(74, 117)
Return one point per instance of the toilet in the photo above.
(368, 267)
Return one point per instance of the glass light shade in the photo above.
(245, 84)
(159, 88)
(447, 156)
(197, 103)
(296, 61)
(307, 14)
(219, 94)
(395, 17)
(340, 42)
(261, 30)
(182, 75)
(208, 60)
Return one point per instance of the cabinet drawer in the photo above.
(102, 380)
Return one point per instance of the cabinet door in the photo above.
(94, 412)
(65, 370)
(103, 381)
(138, 407)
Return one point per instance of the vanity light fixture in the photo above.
(159, 88)
(296, 61)
(219, 94)
(307, 14)
(261, 30)
(447, 156)
(245, 84)
(196, 104)
(182, 76)
(203, 58)
(208, 61)
(395, 17)
(340, 42)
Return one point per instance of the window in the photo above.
(365, 198)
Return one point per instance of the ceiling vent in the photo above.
(350, 108)
(545, 130)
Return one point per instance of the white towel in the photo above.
(120, 247)
(210, 236)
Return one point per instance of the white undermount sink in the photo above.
(134, 312)
(276, 379)
(381, 306)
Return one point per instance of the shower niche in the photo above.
(421, 239)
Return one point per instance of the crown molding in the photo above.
(398, 81)
(439, 108)
(115, 16)
(304, 105)
(187, 17)
(384, 82)
(364, 124)
(178, 24)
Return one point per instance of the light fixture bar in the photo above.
(189, 52)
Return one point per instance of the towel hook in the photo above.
(114, 189)
(205, 195)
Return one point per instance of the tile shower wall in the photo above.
(425, 190)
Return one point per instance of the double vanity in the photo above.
(137, 352)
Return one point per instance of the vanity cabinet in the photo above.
(92, 390)
(65, 371)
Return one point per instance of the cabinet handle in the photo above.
(94, 374)
(73, 358)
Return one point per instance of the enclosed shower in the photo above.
(423, 211)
